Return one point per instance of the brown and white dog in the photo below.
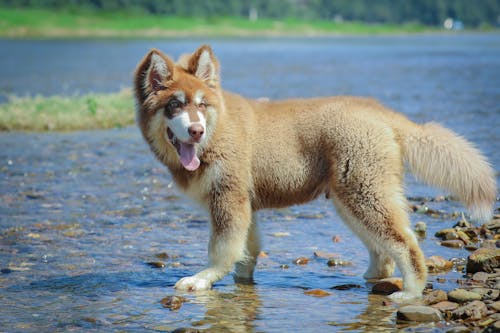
(235, 156)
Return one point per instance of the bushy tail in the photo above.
(439, 157)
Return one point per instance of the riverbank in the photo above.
(66, 113)
(41, 23)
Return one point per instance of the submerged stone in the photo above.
(419, 313)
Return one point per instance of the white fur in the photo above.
(179, 126)
(180, 95)
(198, 97)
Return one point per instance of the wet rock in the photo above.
(280, 234)
(186, 330)
(487, 294)
(325, 255)
(387, 286)
(480, 277)
(317, 293)
(336, 239)
(458, 329)
(454, 243)
(301, 261)
(484, 259)
(156, 264)
(495, 306)
(346, 286)
(493, 328)
(437, 264)
(263, 254)
(419, 313)
(338, 262)
(473, 311)
(420, 227)
(284, 266)
(162, 255)
(462, 296)
(435, 296)
(447, 234)
(445, 306)
(173, 302)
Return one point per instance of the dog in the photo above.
(235, 155)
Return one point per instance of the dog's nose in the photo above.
(196, 131)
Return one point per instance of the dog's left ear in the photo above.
(204, 66)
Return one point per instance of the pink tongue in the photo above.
(188, 157)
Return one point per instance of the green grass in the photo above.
(56, 113)
(40, 23)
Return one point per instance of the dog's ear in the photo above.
(152, 74)
(204, 66)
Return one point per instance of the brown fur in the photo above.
(262, 154)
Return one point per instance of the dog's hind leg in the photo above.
(244, 269)
(230, 222)
(381, 265)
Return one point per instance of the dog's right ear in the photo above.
(152, 74)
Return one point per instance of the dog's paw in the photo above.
(404, 296)
(192, 283)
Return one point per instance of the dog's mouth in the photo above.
(186, 151)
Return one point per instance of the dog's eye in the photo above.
(202, 105)
(174, 104)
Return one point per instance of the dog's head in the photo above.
(177, 104)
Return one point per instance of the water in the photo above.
(82, 213)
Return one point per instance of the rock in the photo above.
(156, 264)
(495, 306)
(418, 313)
(461, 296)
(263, 254)
(484, 259)
(438, 264)
(458, 329)
(173, 302)
(317, 293)
(463, 236)
(387, 286)
(338, 262)
(336, 239)
(162, 255)
(473, 311)
(186, 330)
(454, 243)
(487, 294)
(445, 306)
(325, 255)
(346, 286)
(480, 277)
(435, 296)
(447, 234)
(493, 328)
(301, 261)
(284, 266)
(420, 227)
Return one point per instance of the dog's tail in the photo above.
(440, 157)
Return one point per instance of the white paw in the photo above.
(192, 283)
(403, 296)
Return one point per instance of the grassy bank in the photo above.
(39, 23)
(92, 111)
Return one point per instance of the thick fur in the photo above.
(261, 154)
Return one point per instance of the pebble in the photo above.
(156, 264)
(162, 255)
(173, 302)
(387, 286)
(447, 234)
(480, 277)
(483, 259)
(445, 306)
(346, 286)
(462, 295)
(317, 293)
(421, 227)
(438, 264)
(301, 261)
(418, 313)
(486, 293)
(453, 243)
(338, 262)
(474, 310)
(458, 329)
(325, 255)
(495, 306)
(435, 296)
(336, 239)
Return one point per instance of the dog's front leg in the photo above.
(231, 217)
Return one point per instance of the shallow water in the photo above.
(81, 214)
